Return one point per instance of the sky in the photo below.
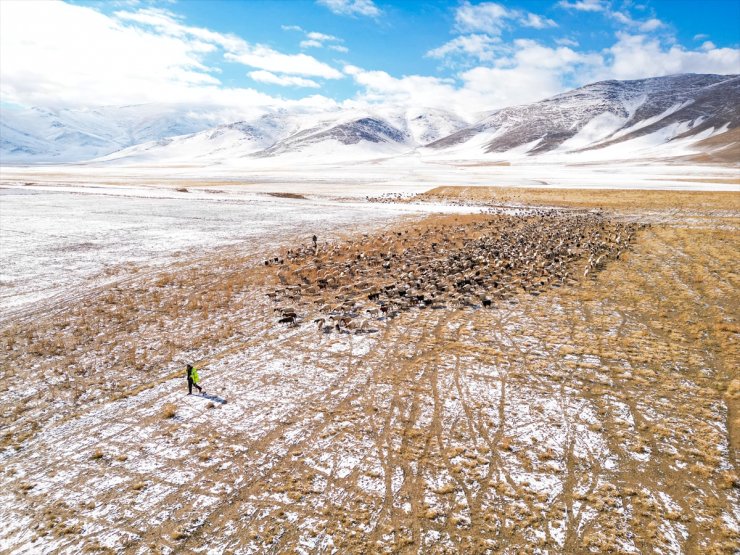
(233, 58)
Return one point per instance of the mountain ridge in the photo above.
(665, 116)
(626, 101)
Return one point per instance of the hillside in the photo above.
(658, 118)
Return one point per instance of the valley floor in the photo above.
(598, 416)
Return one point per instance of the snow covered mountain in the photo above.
(356, 137)
(662, 117)
(339, 135)
(40, 135)
(647, 113)
(423, 125)
(223, 142)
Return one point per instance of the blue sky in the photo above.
(322, 54)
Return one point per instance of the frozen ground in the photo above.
(596, 418)
(58, 236)
(61, 224)
(413, 172)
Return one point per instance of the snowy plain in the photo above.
(53, 238)
(406, 426)
(60, 225)
(374, 173)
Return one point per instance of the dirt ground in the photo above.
(598, 416)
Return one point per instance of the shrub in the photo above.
(169, 410)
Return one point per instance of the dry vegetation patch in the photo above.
(295, 196)
(120, 340)
(598, 416)
(615, 199)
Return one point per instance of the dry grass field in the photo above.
(601, 414)
(623, 200)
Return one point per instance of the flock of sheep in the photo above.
(455, 261)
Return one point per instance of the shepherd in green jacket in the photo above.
(193, 379)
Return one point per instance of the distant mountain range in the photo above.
(39, 135)
(662, 117)
(340, 135)
(607, 113)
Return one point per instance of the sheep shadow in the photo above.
(366, 331)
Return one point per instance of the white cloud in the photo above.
(701, 36)
(565, 41)
(584, 5)
(480, 46)
(482, 88)
(531, 54)
(492, 18)
(263, 76)
(638, 56)
(237, 50)
(152, 56)
(166, 23)
(291, 28)
(47, 57)
(313, 35)
(56, 54)
(651, 25)
(537, 21)
(487, 17)
(497, 87)
(626, 19)
(531, 72)
(264, 57)
(622, 18)
(315, 39)
(352, 7)
(417, 90)
(526, 70)
(311, 44)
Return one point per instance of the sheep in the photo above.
(454, 263)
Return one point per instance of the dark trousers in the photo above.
(191, 383)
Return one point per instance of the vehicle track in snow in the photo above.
(593, 417)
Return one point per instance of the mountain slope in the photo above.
(41, 135)
(606, 113)
(422, 124)
(710, 108)
(662, 117)
(357, 137)
(212, 145)
(340, 134)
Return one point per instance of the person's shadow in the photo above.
(214, 398)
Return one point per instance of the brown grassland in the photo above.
(599, 416)
(614, 199)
